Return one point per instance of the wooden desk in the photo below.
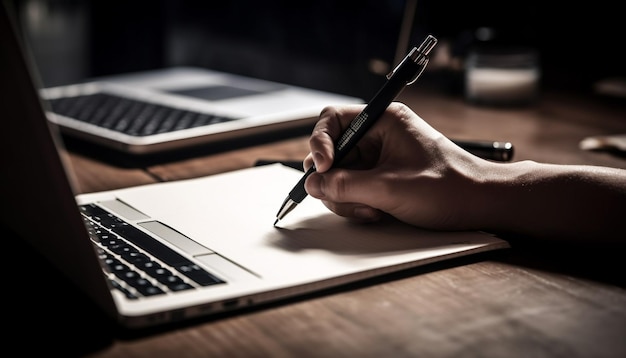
(530, 301)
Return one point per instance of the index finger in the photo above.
(331, 125)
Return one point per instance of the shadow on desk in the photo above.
(601, 263)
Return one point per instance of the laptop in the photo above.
(181, 107)
(168, 252)
(176, 107)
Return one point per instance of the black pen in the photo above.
(488, 149)
(403, 75)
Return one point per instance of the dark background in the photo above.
(321, 44)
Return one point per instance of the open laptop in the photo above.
(177, 107)
(181, 107)
(167, 252)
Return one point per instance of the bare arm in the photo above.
(405, 168)
(555, 201)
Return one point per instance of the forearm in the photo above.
(553, 201)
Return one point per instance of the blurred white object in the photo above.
(502, 77)
(615, 142)
(615, 86)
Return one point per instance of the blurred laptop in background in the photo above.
(147, 77)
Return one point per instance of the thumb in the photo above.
(343, 186)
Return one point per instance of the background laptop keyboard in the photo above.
(130, 116)
(136, 263)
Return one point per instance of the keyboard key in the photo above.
(136, 258)
(121, 288)
(198, 275)
(147, 289)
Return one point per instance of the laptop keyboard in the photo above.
(136, 263)
(130, 116)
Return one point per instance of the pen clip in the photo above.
(417, 75)
(418, 56)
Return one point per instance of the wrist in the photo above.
(500, 192)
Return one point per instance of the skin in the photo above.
(405, 168)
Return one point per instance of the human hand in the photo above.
(402, 167)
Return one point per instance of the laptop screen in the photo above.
(43, 212)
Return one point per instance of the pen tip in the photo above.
(275, 222)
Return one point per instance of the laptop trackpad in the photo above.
(226, 268)
(175, 238)
(214, 262)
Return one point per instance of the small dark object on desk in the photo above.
(492, 150)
